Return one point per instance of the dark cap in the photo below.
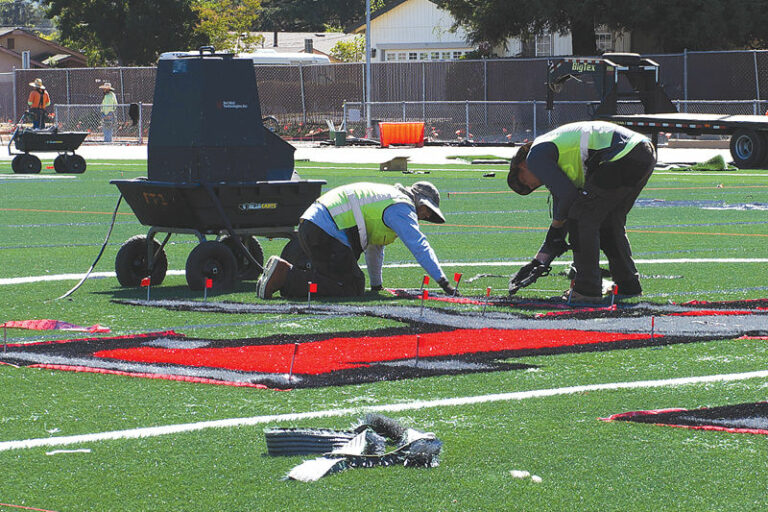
(513, 180)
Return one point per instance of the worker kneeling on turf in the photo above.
(347, 221)
(594, 170)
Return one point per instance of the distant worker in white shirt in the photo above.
(108, 110)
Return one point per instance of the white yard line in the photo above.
(102, 275)
(139, 433)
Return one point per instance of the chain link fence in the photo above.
(494, 100)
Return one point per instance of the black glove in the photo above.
(377, 288)
(555, 244)
(528, 275)
(447, 287)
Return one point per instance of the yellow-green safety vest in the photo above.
(574, 141)
(363, 205)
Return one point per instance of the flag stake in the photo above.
(293, 360)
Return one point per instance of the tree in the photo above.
(126, 32)
(350, 51)
(226, 24)
(313, 15)
(670, 25)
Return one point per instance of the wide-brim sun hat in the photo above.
(38, 84)
(427, 194)
(106, 86)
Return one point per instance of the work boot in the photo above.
(627, 289)
(574, 297)
(273, 278)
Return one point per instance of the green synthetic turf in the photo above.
(51, 226)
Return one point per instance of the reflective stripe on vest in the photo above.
(362, 205)
(575, 140)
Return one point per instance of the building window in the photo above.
(604, 42)
(11, 43)
(544, 45)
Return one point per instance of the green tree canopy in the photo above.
(312, 15)
(662, 25)
(125, 33)
(226, 24)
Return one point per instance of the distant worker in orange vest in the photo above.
(38, 101)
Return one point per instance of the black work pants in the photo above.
(333, 266)
(597, 219)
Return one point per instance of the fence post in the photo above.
(534, 119)
(69, 92)
(141, 124)
(466, 119)
(685, 79)
(423, 90)
(485, 91)
(15, 98)
(303, 98)
(757, 82)
(404, 117)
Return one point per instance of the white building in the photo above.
(419, 30)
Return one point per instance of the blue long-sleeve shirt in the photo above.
(400, 218)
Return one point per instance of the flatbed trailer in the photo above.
(749, 133)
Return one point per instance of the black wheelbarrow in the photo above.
(233, 213)
(46, 140)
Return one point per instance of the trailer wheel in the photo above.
(211, 260)
(131, 262)
(748, 148)
(295, 255)
(76, 164)
(246, 269)
(26, 164)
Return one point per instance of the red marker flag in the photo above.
(425, 282)
(457, 277)
(312, 287)
(145, 281)
(209, 283)
(425, 295)
(488, 292)
(615, 289)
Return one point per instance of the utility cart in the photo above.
(47, 140)
(213, 172)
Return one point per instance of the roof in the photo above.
(55, 47)
(294, 41)
(359, 26)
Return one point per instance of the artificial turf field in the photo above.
(695, 236)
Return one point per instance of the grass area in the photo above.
(695, 235)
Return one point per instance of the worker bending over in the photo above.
(347, 221)
(594, 170)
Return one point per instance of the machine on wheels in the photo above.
(29, 140)
(214, 172)
(618, 76)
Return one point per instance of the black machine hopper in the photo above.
(212, 169)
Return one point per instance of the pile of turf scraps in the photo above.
(746, 418)
(363, 447)
(716, 163)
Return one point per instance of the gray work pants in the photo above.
(597, 219)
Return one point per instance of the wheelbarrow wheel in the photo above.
(26, 164)
(131, 265)
(75, 164)
(214, 261)
(246, 269)
(295, 255)
(60, 164)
